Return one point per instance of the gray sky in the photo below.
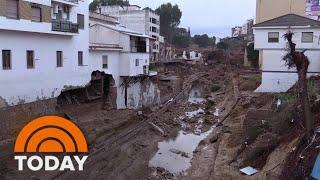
(213, 17)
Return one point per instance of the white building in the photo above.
(236, 31)
(44, 48)
(195, 55)
(144, 21)
(276, 77)
(124, 54)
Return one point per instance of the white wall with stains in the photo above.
(140, 94)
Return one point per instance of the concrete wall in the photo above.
(113, 67)
(46, 80)
(102, 35)
(128, 63)
(269, 9)
(140, 94)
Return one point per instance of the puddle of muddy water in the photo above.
(175, 154)
(174, 162)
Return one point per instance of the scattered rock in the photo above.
(226, 130)
(214, 139)
(184, 154)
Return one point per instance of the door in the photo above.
(59, 15)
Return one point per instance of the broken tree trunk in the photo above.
(301, 62)
(304, 98)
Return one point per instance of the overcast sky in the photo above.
(213, 17)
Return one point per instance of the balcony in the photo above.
(141, 48)
(72, 1)
(64, 26)
(69, 2)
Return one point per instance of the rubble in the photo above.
(158, 129)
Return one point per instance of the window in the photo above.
(59, 59)
(30, 59)
(145, 69)
(137, 62)
(154, 21)
(80, 58)
(154, 29)
(12, 9)
(36, 13)
(307, 37)
(80, 20)
(105, 62)
(273, 37)
(6, 59)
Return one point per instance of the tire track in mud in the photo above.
(113, 143)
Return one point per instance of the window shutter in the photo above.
(80, 21)
(12, 9)
(36, 14)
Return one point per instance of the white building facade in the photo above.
(124, 54)
(44, 46)
(144, 21)
(276, 77)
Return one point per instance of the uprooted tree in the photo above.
(301, 62)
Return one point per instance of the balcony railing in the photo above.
(139, 48)
(64, 26)
(73, 1)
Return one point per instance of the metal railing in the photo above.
(72, 1)
(64, 26)
(138, 48)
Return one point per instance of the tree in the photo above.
(253, 55)
(181, 37)
(222, 45)
(301, 62)
(204, 40)
(96, 3)
(170, 17)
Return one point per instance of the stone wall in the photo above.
(46, 13)
(2, 8)
(24, 10)
(14, 118)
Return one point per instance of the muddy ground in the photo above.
(121, 142)
(214, 105)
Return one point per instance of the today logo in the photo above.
(49, 136)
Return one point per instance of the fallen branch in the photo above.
(155, 127)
